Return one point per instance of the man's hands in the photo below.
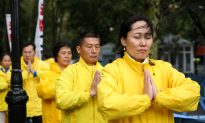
(96, 81)
(149, 85)
(30, 68)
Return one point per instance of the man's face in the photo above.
(89, 50)
(28, 54)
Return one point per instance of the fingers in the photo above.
(154, 88)
(95, 82)
(150, 81)
(150, 88)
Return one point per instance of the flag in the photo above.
(39, 30)
(8, 27)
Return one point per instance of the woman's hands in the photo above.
(149, 85)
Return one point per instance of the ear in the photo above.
(123, 41)
(78, 49)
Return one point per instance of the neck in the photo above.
(62, 67)
(28, 61)
(138, 60)
(90, 64)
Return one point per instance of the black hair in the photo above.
(57, 48)
(25, 44)
(127, 25)
(84, 35)
(4, 54)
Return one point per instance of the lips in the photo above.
(93, 56)
(142, 50)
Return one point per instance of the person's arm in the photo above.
(182, 94)
(3, 83)
(40, 69)
(66, 96)
(112, 103)
(46, 86)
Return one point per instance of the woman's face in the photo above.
(138, 41)
(64, 56)
(6, 61)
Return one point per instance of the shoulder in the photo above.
(116, 65)
(161, 63)
(71, 67)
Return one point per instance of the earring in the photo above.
(124, 48)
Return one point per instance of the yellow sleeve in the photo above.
(42, 68)
(46, 86)
(3, 82)
(25, 74)
(113, 104)
(183, 93)
(66, 96)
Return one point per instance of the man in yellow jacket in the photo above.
(32, 71)
(76, 87)
(136, 89)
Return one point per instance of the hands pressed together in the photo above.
(30, 68)
(95, 82)
(149, 85)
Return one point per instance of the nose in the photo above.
(94, 50)
(27, 54)
(143, 42)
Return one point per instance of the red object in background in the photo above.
(200, 50)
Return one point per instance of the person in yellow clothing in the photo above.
(136, 89)
(62, 54)
(77, 84)
(50, 60)
(5, 75)
(32, 71)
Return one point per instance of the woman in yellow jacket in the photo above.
(5, 75)
(76, 86)
(136, 89)
(46, 88)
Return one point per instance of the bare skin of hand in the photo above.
(149, 85)
(96, 81)
(154, 88)
(30, 69)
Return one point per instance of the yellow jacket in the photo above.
(33, 106)
(46, 91)
(4, 87)
(121, 98)
(73, 94)
(50, 60)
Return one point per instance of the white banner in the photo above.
(8, 26)
(39, 30)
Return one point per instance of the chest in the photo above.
(132, 81)
(83, 80)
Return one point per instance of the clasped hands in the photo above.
(30, 68)
(149, 85)
(95, 82)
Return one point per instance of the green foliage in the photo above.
(65, 19)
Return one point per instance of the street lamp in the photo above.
(16, 97)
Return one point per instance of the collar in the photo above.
(55, 67)
(135, 65)
(95, 67)
(24, 65)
